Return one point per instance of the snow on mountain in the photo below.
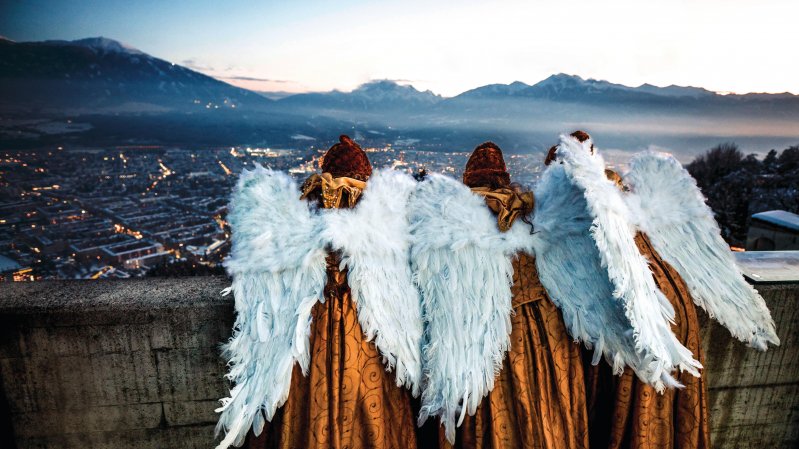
(387, 89)
(96, 44)
(100, 74)
(108, 45)
(130, 94)
(675, 91)
(572, 87)
(373, 95)
(563, 86)
(497, 90)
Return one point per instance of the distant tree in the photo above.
(770, 162)
(717, 163)
(751, 163)
(789, 161)
(730, 197)
(788, 169)
(726, 182)
(736, 186)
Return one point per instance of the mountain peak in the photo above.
(563, 81)
(107, 45)
(673, 90)
(562, 85)
(101, 74)
(385, 85)
(381, 94)
(386, 88)
(561, 78)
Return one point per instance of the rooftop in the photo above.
(7, 264)
(780, 218)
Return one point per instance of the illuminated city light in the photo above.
(184, 216)
(227, 171)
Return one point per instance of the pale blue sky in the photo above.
(445, 46)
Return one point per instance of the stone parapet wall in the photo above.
(114, 364)
(135, 364)
(754, 396)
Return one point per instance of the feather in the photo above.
(278, 267)
(462, 266)
(374, 239)
(592, 270)
(258, 423)
(671, 210)
(279, 271)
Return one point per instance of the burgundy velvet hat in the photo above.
(581, 137)
(486, 168)
(346, 158)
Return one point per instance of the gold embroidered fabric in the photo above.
(626, 413)
(347, 400)
(333, 191)
(538, 400)
(507, 204)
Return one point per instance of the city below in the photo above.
(148, 210)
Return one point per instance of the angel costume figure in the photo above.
(677, 235)
(538, 395)
(328, 327)
(472, 256)
(591, 268)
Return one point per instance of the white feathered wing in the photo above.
(279, 271)
(592, 270)
(462, 266)
(374, 239)
(277, 263)
(671, 210)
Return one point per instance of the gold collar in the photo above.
(506, 203)
(332, 190)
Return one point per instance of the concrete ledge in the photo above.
(113, 364)
(754, 396)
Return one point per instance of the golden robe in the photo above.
(626, 413)
(348, 399)
(539, 399)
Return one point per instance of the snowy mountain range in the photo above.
(563, 87)
(378, 95)
(126, 94)
(100, 75)
(560, 87)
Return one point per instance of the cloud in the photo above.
(194, 65)
(252, 78)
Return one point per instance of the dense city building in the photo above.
(119, 212)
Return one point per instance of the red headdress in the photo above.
(346, 159)
(486, 168)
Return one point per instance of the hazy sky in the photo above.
(446, 46)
